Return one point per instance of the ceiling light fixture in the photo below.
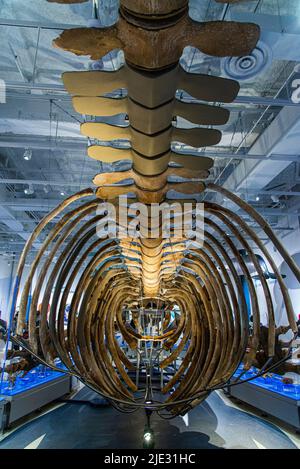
(29, 190)
(27, 154)
(275, 199)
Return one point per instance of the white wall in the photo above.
(292, 243)
(7, 282)
(5, 285)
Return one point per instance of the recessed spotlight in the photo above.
(27, 154)
(257, 198)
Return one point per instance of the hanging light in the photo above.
(27, 154)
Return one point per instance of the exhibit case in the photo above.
(25, 384)
(19, 382)
(273, 394)
(279, 384)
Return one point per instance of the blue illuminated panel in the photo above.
(272, 383)
(36, 377)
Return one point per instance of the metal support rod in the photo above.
(36, 55)
(17, 62)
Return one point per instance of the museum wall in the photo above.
(7, 276)
(5, 285)
(292, 244)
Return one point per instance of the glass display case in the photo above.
(25, 384)
(12, 384)
(273, 394)
(20, 372)
(280, 384)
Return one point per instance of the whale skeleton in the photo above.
(198, 316)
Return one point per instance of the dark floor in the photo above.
(214, 424)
